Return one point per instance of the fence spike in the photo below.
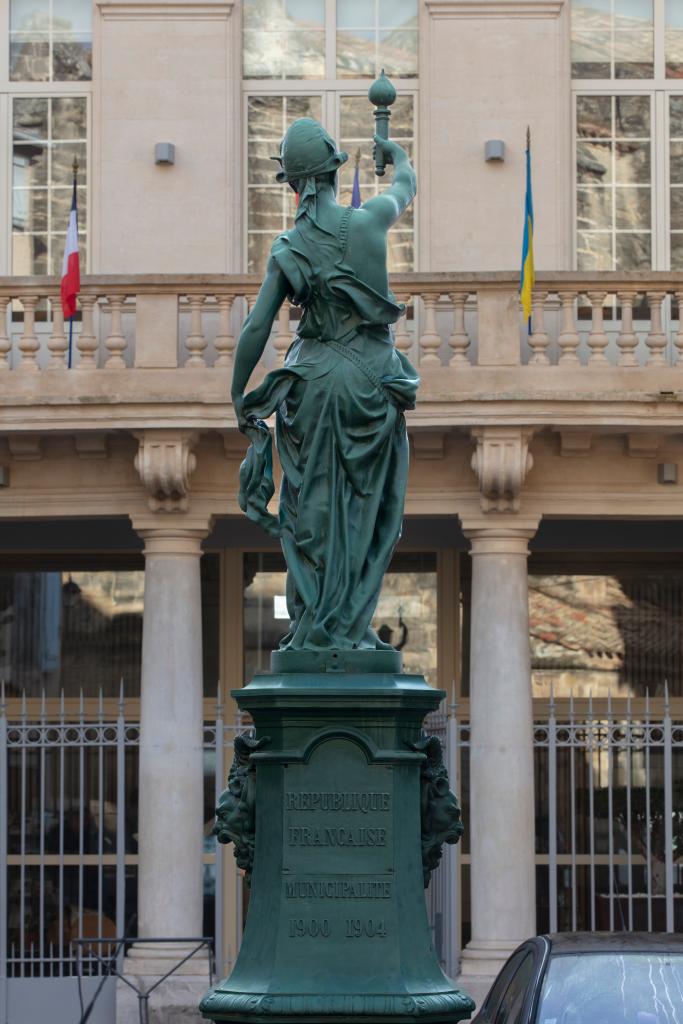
(552, 696)
(43, 710)
(571, 702)
(61, 705)
(666, 695)
(647, 701)
(100, 705)
(3, 702)
(609, 701)
(24, 713)
(81, 708)
(219, 702)
(121, 699)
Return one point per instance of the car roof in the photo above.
(614, 942)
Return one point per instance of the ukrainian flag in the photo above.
(526, 283)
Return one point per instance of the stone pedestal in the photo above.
(337, 924)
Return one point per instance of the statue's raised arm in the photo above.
(339, 399)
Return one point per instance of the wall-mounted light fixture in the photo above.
(494, 151)
(667, 473)
(164, 153)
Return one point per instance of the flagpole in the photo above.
(71, 341)
(74, 168)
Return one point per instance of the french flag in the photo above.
(71, 270)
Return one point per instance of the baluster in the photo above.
(86, 342)
(430, 341)
(678, 337)
(597, 339)
(568, 339)
(538, 339)
(627, 342)
(5, 343)
(459, 341)
(283, 337)
(28, 342)
(116, 342)
(196, 342)
(57, 342)
(225, 341)
(656, 339)
(402, 338)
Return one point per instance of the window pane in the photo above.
(612, 39)
(594, 117)
(633, 208)
(598, 633)
(674, 39)
(377, 34)
(62, 28)
(594, 208)
(594, 251)
(284, 39)
(608, 165)
(270, 207)
(48, 134)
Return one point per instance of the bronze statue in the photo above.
(339, 399)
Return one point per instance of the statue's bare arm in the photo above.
(385, 209)
(256, 331)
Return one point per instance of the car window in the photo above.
(613, 988)
(501, 983)
(510, 1009)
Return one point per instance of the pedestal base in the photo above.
(337, 924)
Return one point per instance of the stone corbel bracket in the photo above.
(165, 461)
(501, 461)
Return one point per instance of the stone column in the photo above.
(501, 825)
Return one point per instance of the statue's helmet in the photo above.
(307, 151)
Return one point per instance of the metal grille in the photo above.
(68, 816)
(609, 830)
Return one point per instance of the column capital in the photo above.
(165, 461)
(499, 534)
(501, 461)
(180, 535)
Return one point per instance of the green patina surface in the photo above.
(345, 812)
(339, 805)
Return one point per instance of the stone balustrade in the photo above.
(454, 321)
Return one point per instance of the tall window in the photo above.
(50, 49)
(315, 58)
(627, 66)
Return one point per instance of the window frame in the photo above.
(659, 88)
(9, 90)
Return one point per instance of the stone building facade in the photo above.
(540, 569)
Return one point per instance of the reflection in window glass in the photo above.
(600, 634)
(406, 613)
(50, 40)
(47, 134)
(676, 180)
(614, 183)
(82, 630)
(674, 39)
(376, 34)
(283, 38)
(356, 139)
(624, 989)
(612, 39)
(270, 207)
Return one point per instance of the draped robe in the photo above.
(341, 439)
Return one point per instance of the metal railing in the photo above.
(609, 830)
